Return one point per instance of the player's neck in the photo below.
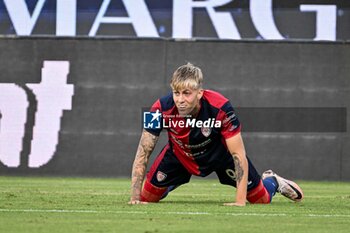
(196, 109)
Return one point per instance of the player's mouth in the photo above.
(182, 109)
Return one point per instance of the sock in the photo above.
(169, 189)
(271, 186)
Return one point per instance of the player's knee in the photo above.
(259, 195)
(151, 193)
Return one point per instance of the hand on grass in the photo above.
(234, 204)
(136, 202)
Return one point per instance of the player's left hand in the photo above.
(234, 204)
(137, 202)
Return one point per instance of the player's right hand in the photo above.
(136, 202)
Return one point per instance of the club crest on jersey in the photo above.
(161, 176)
(206, 131)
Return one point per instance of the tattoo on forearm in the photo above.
(144, 150)
(238, 168)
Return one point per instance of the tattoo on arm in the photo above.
(144, 150)
(238, 168)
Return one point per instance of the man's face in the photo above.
(187, 100)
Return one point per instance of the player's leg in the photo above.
(166, 174)
(258, 191)
(286, 187)
(263, 192)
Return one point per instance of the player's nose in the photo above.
(181, 98)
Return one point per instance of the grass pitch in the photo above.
(33, 204)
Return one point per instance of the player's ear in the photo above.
(200, 93)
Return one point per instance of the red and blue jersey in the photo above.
(198, 143)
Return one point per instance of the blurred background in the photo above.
(76, 74)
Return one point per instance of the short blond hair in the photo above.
(187, 76)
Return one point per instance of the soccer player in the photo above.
(204, 136)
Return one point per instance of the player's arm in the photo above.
(236, 147)
(146, 145)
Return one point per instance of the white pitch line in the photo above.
(176, 213)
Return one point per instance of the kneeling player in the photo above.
(204, 137)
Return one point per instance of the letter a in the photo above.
(139, 17)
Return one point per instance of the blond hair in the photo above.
(187, 76)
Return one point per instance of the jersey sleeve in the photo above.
(230, 125)
(155, 130)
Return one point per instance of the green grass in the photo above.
(100, 205)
